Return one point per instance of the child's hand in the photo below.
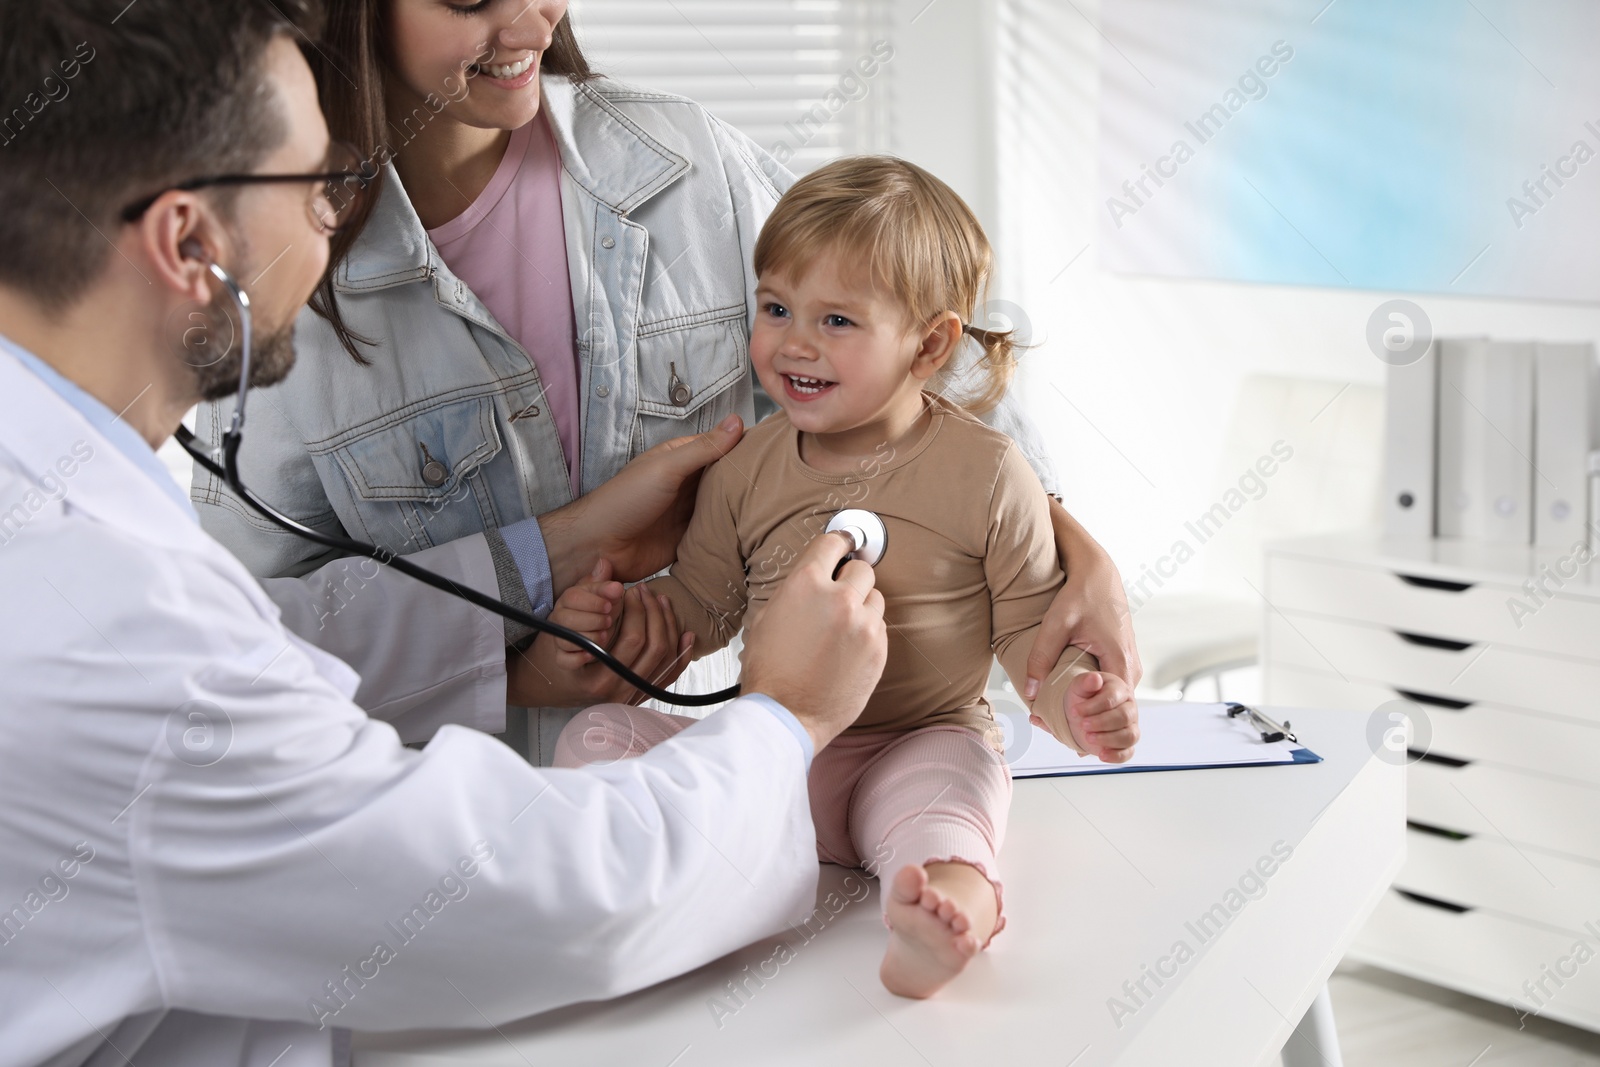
(635, 626)
(594, 609)
(1101, 718)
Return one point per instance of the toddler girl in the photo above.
(869, 272)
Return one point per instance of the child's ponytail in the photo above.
(984, 382)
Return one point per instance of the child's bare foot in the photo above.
(938, 922)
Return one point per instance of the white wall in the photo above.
(1151, 365)
(943, 85)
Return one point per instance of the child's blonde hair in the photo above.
(919, 243)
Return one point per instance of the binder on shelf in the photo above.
(1485, 461)
(1564, 433)
(1411, 432)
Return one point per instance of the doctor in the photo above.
(209, 853)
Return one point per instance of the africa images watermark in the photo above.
(1564, 969)
(1539, 590)
(52, 90)
(1252, 486)
(1537, 192)
(50, 488)
(1252, 85)
(340, 990)
(50, 888)
(741, 990)
(1251, 885)
(852, 86)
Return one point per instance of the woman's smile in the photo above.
(506, 75)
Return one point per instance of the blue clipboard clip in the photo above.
(1270, 731)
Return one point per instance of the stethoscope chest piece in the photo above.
(865, 530)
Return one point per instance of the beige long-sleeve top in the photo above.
(970, 569)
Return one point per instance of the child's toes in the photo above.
(910, 885)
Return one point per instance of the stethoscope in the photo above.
(864, 528)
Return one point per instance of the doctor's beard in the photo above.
(206, 342)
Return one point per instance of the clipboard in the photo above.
(1174, 736)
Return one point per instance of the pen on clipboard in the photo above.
(1270, 731)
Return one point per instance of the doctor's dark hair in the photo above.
(352, 73)
(106, 101)
(914, 240)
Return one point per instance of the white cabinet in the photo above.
(1495, 651)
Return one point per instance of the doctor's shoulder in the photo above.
(30, 499)
(132, 600)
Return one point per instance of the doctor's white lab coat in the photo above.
(209, 854)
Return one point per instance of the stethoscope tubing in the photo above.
(228, 471)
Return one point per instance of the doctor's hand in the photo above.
(636, 627)
(1097, 716)
(819, 644)
(636, 519)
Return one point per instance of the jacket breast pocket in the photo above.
(419, 481)
(693, 372)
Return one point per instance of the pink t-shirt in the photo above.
(510, 247)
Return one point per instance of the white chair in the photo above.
(1332, 481)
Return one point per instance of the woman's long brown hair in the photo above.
(350, 72)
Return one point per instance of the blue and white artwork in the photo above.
(1437, 146)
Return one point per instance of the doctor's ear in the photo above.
(192, 253)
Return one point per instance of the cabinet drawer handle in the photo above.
(1425, 641)
(1434, 902)
(1434, 583)
(1436, 831)
(1434, 757)
(1438, 702)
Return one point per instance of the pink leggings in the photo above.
(938, 794)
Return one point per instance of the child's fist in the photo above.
(638, 628)
(593, 608)
(1101, 718)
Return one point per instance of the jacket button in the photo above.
(434, 474)
(608, 242)
(602, 391)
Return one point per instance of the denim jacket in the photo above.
(447, 434)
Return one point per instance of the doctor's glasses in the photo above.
(333, 201)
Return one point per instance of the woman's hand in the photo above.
(636, 627)
(1090, 612)
(636, 519)
(1096, 716)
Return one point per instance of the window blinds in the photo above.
(808, 80)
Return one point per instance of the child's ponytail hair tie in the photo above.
(997, 361)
